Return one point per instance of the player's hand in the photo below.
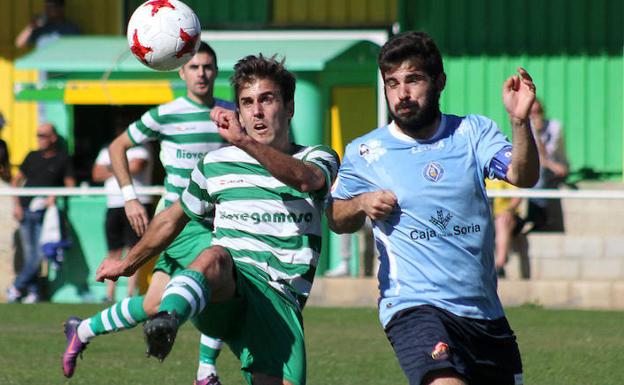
(137, 216)
(229, 126)
(111, 269)
(518, 95)
(379, 204)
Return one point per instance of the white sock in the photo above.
(204, 370)
(84, 331)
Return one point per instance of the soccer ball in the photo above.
(163, 34)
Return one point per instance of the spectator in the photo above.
(544, 214)
(46, 28)
(507, 229)
(5, 167)
(119, 233)
(365, 242)
(342, 268)
(49, 166)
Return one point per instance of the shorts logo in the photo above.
(440, 351)
(433, 172)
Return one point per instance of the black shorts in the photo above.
(119, 233)
(427, 339)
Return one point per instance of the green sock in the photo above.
(209, 349)
(186, 294)
(125, 314)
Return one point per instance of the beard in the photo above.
(420, 117)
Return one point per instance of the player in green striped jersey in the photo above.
(268, 194)
(186, 133)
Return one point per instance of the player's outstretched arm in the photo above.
(347, 216)
(136, 213)
(518, 97)
(160, 233)
(293, 172)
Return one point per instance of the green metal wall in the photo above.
(219, 14)
(572, 48)
(334, 13)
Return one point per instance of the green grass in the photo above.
(345, 346)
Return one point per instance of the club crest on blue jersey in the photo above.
(433, 172)
(371, 151)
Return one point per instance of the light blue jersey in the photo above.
(437, 247)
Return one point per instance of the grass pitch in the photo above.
(345, 346)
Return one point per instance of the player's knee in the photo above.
(214, 262)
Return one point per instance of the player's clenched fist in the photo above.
(229, 126)
(379, 204)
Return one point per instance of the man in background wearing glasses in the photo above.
(49, 166)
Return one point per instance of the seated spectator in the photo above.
(507, 227)
(545, 214)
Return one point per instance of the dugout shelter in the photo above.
(91, 79)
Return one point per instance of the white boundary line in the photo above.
(159, 190)
(73, 191)
(378, 37)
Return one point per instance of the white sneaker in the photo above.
(13, 295)
(30, 298)
(341, 270)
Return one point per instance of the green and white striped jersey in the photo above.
(264, 223)
(186, 134)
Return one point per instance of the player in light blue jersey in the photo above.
(421, 180)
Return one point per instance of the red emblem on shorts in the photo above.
(189, 43)
(158, 4)
(138, 49)
(440, 351)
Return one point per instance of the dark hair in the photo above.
(253, 67)
(204, 47)
(416, 46)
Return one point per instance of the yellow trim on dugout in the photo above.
(117, 92)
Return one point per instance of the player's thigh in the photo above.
(494, 357)
(191, 241)
(271, 343)
(422, 344)
(156, 288)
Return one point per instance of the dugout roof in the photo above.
(101, 69)
(111, 53)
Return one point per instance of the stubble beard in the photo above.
(422, 117)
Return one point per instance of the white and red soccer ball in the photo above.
(163, 34)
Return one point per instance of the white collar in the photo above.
(394, 131)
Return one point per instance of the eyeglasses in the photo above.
(42, 135)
